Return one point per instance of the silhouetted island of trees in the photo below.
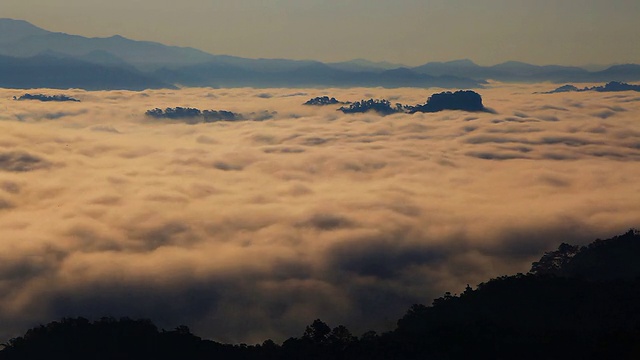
(194, 116)
(464, 100)
(42, 97)
(575, 303)
(612, 86)
(615, 86)
(382, 107)
(323, 100)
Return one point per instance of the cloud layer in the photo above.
(252, 229)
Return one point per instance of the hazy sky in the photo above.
(407, 31)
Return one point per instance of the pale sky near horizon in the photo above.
(412, 32)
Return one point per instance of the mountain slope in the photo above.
(627, 72)
(192, 67)
(612, 259)
(163, 65)
(364, 65)
(464, 68)
(22, 39)
(507, 71)
(311, 74)
(12, 31)
(63, 73)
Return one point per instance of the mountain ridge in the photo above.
(162, 65)
(46, 71)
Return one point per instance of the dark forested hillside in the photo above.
(576, 303)
(612, 259)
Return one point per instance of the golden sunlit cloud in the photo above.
(251, 229)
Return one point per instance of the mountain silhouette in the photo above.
(13, 31)
(153, 65)
(364, 65)
(62, 73)
(626, 72)
(158, 65)
(514, 71)
(462, 68)
(22, 39)
(301, 74)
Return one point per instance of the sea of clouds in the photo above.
(251, 230)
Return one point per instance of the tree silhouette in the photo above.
(464, 100)
(317, 332)
(382, 107)
(322, 100)
(46, 98)
(193, 115)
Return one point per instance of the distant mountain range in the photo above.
(31, 57)
(518, 71)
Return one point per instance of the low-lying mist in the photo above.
(249, 230)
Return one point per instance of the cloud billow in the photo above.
(249, 230)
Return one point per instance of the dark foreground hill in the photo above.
(576, 303)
